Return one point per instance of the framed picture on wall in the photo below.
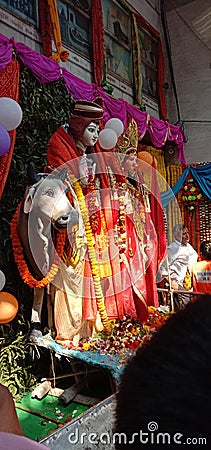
(117, 35)
(149, 61)
(26, 9)
(74, 18)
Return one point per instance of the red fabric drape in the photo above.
(97, 41)
(161, 95)
(46, 29)
(162, 101)
(9, 87)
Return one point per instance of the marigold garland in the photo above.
(191, 194)
(18, 252)
(174, 213)
(91, 251)
(121, 225)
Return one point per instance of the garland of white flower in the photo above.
(91, 251)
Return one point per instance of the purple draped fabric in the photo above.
(6, 47)
(78, 89)
(113, 107)
(140, 117)
(46, 70)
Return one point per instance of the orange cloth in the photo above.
(61, 54)
(201, 276)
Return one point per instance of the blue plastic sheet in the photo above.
(113, 363)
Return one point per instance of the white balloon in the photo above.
(116, 125)
(107, 138)
(10, 113)
(2, 280)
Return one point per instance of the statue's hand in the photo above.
(93, 170)
(83, 169)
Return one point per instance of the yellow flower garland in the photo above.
(91, 251)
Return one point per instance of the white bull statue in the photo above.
(45, 207)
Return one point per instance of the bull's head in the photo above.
(47, 197)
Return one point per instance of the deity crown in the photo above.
(128, 140)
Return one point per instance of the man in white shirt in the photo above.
(180, 255)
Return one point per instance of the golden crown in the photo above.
(129, 139)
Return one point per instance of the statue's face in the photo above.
(90, 135)
(130, 163)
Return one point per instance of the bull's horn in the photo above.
(62, 175)
(32, 176)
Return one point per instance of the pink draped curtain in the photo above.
(45, 70)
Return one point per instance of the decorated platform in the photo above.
(111, 352)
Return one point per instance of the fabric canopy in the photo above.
(202, 175)
(46, 70)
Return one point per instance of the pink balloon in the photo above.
(5, 141)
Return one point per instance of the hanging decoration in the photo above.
(191, 194)
(46, 28)
(61, 54)
(137, 63)
(97, 40)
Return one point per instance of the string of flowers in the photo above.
(191, 194)
(91, 251)
(121, 225)
(18, 252)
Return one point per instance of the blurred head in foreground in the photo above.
(164, 395)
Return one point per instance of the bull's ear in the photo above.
(27, 206)
(62, 175)
(32, 177)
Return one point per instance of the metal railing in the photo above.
(168, 299)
